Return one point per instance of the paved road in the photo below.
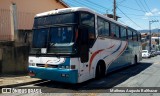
(145, 74)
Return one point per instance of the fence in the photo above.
(24, 22)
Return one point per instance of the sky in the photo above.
(133, 13)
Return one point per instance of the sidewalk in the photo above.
(16, 80)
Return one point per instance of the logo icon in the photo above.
(6, 90)
(46, 65)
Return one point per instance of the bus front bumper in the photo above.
(62, 75)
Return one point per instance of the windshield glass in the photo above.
(55, 33)
(58, 36)
(40, 37)
(61, 36)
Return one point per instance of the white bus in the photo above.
(76, 44)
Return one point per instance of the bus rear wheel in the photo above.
(135, 60)
(100, 70)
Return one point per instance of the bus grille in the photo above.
(48, 65)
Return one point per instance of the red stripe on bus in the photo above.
(92, 57)
(110, 47)
(123, 50)
(95, 53)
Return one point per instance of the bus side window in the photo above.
(100, 26)
(135, 36)
(103, 27)
(88, 20)
(129, 35)
(123, 33)
(113, 30)
(139, 37)
(117, 33)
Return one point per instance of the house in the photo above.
(145, 41)
(16, 20)
(19, 15)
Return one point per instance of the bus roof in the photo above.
(74, 9)
(64, 10)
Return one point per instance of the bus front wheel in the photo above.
(100, 70)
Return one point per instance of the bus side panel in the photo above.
(102, 47)
(119, 56)
(83, 74)
(109, 50)
(120, 62)
(126, 58)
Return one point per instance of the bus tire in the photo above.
(100, 70)
(135, 60)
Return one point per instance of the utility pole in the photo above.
(14, 22)
(114, 10)
(150, 38)
(158, 38)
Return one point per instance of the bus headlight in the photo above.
(67, 67)
(63, 67)
(65, 75)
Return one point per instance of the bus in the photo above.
(76, 44)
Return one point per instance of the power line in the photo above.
(122, 22)
(97, 5)
(121, 2)
(129, 18)
(143, 5)
(85, 5)
(137, 15)
(139, 5)
(132, 8)
(131, 14)
(75, 1)
(147, 5)
(149, 10)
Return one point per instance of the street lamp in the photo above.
(150, 43)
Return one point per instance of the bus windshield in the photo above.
(61, 36)
(40, 38)
(55, 36)
(54, 33)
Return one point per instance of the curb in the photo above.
(19, 84)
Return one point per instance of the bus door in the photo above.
(84, 52)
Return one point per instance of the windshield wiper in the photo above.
(38, 51)
(52, 44)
